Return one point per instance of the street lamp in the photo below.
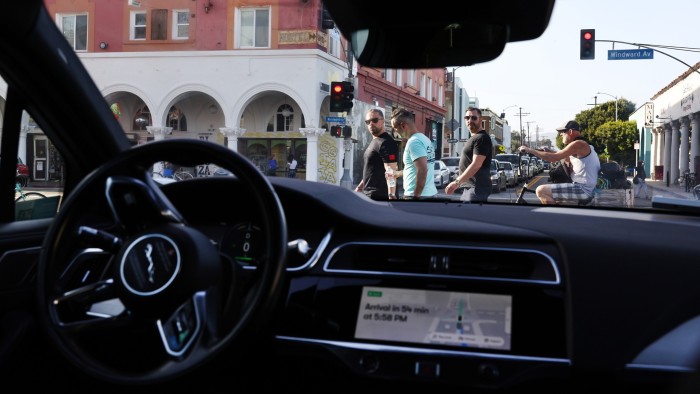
(503, 112)
(608, 94)
(455, 125)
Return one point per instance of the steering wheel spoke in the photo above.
(136, 205)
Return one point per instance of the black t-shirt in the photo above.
(641, 172)
(479, 143)
(382, 149)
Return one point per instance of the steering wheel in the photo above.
(130, 292)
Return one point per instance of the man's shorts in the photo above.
(569, 191)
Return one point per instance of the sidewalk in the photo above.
(659, 188)
(45, 185)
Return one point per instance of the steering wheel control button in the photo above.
(178, 331)
(150, 264)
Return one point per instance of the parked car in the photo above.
(452, 163)
(22, 173)
(518, 165)
(498, 177)
(508, 170)
(257, 284)
(441, 174)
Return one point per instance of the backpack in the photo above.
(614, 176)
(557, 173)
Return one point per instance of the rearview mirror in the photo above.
(447, 33)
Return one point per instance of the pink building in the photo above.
(264, 90)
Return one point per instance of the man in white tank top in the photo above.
(584, 162)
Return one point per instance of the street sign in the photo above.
(335, 119)
(452, 141)
(630, 54)
(453, 124)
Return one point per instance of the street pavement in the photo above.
(655, 187)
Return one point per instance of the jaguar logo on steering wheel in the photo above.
(150, 264)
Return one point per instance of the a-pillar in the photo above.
(232, 134)
(667, 153)
(312, 134)
(694, 140)
(675, 149)
(683, 160)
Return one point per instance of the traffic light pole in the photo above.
(654, 48)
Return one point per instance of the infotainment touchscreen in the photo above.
(435, 317)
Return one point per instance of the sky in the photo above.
(546, 78)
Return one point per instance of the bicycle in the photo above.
(687, 180)
(167, 172)
(25, 196)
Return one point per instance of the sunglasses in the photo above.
(473, 117)
(373, 120)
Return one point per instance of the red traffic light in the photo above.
(341, 96)
(587, 46)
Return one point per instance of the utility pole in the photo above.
(521, 114)
(529, 142)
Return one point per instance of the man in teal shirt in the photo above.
(418, 158)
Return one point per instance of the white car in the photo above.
(509, 171)
(452, 163)
(442, 174)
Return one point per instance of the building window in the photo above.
(74, 28)
(177, 119)
(389, 75)
(141, 119)
(138, 26)
(285, 117)
(159, 24)
(441, 93)
(181, 24)
(334, 43)
(411, 77)
(421, 87)
(429, 89)
(399, 77)
(253, 28)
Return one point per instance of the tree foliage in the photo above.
(615, 140)
(612, 139)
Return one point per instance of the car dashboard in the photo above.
(471, 295)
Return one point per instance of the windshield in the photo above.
(244, 88)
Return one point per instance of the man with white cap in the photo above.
(584, 162)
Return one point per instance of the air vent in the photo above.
(439, 260)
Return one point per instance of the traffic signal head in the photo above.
(341, 96)
(587, 44)
(347, 132)
(348, 96)
(336, 131)
(336, 97)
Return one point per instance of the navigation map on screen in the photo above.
(435, 317)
